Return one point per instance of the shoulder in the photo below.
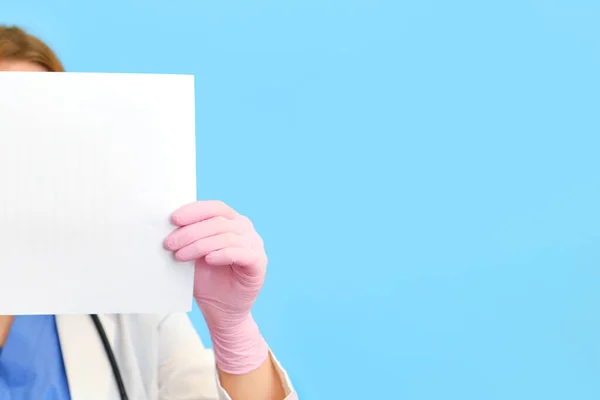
(134, 324)
(165, 327)
(153, 321)
(144, 321)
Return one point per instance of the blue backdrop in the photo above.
(424, 173)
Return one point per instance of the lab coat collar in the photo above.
(88, 370)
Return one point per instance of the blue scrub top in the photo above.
(31, 363)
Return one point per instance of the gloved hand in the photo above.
(230, 270)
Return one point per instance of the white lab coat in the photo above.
(160, 357)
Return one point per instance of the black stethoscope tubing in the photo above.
(111, 357)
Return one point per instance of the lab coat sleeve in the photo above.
(187, 370)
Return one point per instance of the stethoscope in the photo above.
(111, 357)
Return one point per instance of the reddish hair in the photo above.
(18, 45)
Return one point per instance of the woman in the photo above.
(157, 356)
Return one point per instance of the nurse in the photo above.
(157, 356)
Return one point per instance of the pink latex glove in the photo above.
(230, 270)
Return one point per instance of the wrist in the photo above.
(239, 349)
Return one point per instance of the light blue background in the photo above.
(425, 174)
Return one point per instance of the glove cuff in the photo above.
(239, 349)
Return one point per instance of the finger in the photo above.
(202, 247)
(200, 211)
(187, 235)
(243, 257)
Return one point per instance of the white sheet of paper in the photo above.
(91, 167)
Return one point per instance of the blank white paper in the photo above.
(91, 167)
